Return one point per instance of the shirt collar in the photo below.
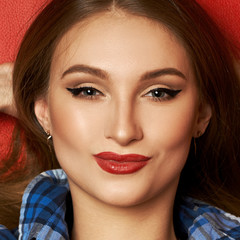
(43, 211)
(42, 214)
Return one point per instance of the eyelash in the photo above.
(92, 93)
(165, 94)
(85, 92)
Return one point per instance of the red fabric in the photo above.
(16, 16)
(226, 13)
(7, 124)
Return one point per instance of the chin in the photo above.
(124, 197)
(124, 203)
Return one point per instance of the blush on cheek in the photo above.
(73, 127)
(173, 131)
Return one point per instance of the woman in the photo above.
(138, 101)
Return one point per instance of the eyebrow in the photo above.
(81, 68)
(162, 72)
(86, 69)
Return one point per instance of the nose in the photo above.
(122, 125)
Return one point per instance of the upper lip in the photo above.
(121, 157)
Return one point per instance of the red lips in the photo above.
(121, 164)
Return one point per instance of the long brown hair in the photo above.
(212, 174)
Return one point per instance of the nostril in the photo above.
(124, 133)
(122, 125)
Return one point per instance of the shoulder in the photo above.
(203, 221)
(43, 207)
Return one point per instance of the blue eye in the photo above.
(88, 92)
(161, 94)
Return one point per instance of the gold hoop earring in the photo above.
(199, 134)
(49, 137)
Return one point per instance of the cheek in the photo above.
(171, 127)
(168, 138)
(73, 127)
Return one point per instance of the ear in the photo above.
(203, 119)
(42, 114)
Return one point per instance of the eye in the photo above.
(85, 92)
(161, 94)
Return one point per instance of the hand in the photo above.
(6, 93)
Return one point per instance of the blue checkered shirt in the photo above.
(43, 211)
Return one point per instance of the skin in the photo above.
(123, 117)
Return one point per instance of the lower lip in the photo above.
(114, 167)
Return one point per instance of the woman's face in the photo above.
(121, 85)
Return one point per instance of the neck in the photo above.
(94, 219)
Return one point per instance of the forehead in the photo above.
(109, 39)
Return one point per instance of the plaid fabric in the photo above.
(44, 205)
(43, 208)
(202, 221)
(5, 234)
